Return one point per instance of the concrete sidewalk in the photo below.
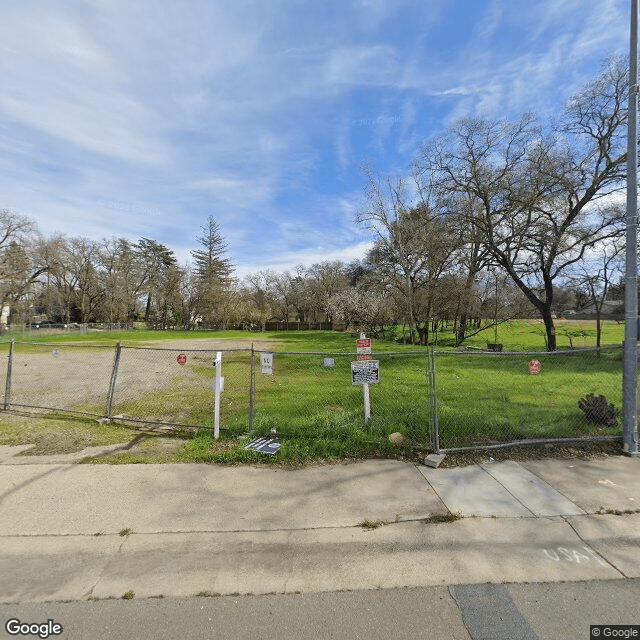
(70, 532)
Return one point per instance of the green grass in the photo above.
(318, 413)
(515, 335)
(131, 337)
(60, 433)
(484, 399)
(530, 335)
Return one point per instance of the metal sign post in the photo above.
(364, 372)
(630, 360)
(367, 403)
(218, 383)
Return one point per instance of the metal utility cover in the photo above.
(264, 445)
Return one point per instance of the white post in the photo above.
(365, 392)
(367, 405)
(218, 389)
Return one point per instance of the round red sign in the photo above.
(534, 367)
(182, 359)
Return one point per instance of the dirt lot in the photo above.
(77, 377)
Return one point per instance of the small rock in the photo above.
(396, 438)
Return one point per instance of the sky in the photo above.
(142, 119)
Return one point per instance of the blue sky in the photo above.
(141, 119)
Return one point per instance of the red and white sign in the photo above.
(534, 367)
(363, 349)
(182, 359)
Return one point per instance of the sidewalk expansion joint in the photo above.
(429, 487)
(366, 524)
(537, 475)
(592, 550)
(524, 506)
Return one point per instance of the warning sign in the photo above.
(363, 349)
(365, 372)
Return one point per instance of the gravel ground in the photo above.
(66, 376)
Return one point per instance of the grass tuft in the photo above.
(443, 517)
(372, 524)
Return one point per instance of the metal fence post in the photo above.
(252, 390)
(431, 372)
(7, 386)
(218, 391)
(112, 382)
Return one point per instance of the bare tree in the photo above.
(81, 258)
(595, 277)
(259, 290)
(413, 251)
(23, 259)
(362, 310)
(540, 199)
(321, 281)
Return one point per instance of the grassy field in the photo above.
(318, 413)
(515, 335)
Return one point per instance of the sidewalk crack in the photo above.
(598, 556)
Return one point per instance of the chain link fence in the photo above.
(486, 399)
(176, 386)
(61, 377)
(313, 395)
(128, 384)
(439, 400)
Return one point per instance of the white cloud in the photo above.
(143, 118)
(376, 65)
(267, 259)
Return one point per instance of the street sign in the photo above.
(365, 372)
(182, 359)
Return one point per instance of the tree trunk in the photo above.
(462, 324)
(550, 328)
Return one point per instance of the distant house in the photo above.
(611, 309)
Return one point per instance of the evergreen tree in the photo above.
(212, 269)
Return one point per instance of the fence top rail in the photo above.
(351, 354)
(60, 345)
(185, 350)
